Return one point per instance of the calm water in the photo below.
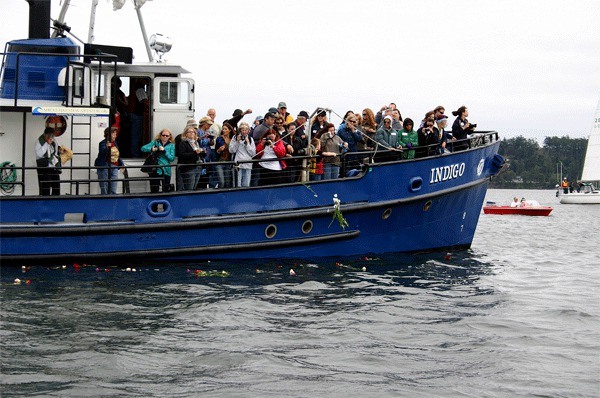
(517, 315)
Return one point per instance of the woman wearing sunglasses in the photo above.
(163, 148)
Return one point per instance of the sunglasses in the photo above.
(165, 135)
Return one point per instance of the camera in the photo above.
(268, 142)
(472, 126)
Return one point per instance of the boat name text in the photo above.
(445, 173)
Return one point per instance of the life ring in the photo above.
(57, 123)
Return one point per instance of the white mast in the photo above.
(142, 27)
(92, 21)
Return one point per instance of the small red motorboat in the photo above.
(533, 208)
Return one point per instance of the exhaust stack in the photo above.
(39, 19)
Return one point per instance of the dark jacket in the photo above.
(103, 158)
(352, 137)
(187, 156)
(427, 139)
(460, 134)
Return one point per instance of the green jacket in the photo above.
(164, 158)
(406, 137)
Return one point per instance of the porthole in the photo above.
(307, 226)
(427, 205)
(386, 214)
(270, 231)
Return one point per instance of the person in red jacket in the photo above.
(270, 146)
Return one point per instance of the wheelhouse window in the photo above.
(78, 79)
(174, 93)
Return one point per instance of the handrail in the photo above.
(476, 140)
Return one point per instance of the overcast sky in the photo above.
(520, 66)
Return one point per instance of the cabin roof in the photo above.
(150, 67)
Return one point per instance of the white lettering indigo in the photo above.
(445, 173)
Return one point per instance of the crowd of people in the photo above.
(214, 155)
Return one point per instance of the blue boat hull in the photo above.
(410, 206)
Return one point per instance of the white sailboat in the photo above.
(588, 192)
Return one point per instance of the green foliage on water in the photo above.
(535, 167)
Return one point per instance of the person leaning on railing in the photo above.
(408, 138)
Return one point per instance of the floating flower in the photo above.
(292, 272)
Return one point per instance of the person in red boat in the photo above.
(523, 203)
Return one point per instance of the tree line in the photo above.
(535, 167)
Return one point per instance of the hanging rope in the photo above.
(365, 135)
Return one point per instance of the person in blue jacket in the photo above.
(350, 134)
(108, 161)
